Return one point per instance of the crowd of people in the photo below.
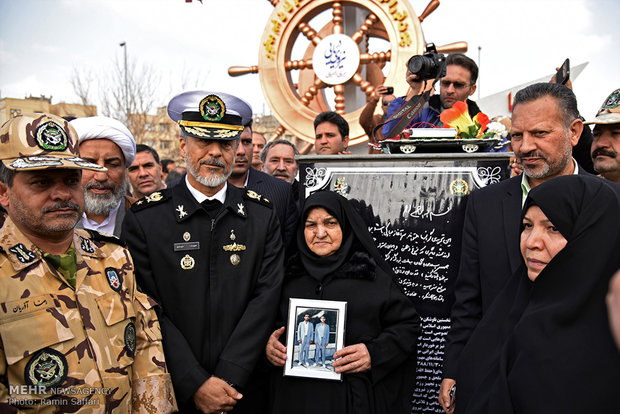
(134, 284)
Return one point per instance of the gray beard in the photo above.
(550, 170)
(211, 181)
(103, 204)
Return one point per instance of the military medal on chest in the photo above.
(187, 261)
(234, 247)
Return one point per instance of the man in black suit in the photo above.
(545, 127)
(278, 192)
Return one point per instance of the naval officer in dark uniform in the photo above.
(211, 254)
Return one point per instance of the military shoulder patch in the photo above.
(99, 236)
(47, 368)
(254, 196)
(113, 279)
(157, 197)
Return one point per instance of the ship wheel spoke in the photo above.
(309, 95)
(277, 133)
(379, 57)
(363, 84)
(337, 19)
(298, 64)
(309, 32)
(339, 99)
(364, 28)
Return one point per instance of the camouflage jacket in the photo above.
(96, 348)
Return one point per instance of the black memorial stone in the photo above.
(414, 206)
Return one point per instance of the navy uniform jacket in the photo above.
(280, 194)
(490, 254)
(218, 281)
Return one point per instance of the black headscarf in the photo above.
(355, 236)
(546, 346)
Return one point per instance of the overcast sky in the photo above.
(193, 44)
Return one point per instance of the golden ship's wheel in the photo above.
(305, 70)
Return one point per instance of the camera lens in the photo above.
(420, 64)
(427, 66)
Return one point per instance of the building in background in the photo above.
(11, 107)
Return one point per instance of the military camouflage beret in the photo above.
(609, 113)
(41, 141)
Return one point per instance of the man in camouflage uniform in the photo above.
(75, 333)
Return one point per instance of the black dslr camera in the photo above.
(430, 65)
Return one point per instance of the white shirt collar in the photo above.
(107, 225)
(200, 197)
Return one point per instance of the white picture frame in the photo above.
(314, 359)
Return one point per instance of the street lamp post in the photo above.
(124, 46)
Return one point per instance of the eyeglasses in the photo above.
(457, 85)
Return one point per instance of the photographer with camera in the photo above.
(457, 84)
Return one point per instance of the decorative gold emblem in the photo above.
(254, 195)
(139, 202)
(187, 236)
(156, 196)
(234, 247)
(235, 259)
(187, 262)
(212, 108)
(182, 212)
(240, 208)
(459, 187)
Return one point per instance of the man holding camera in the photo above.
(458, 84)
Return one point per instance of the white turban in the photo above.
(102, 127)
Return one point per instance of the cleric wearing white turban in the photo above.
(102, 127)
(107, 142)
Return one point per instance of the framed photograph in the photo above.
(315, 331)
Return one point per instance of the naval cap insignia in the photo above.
(22, 254)
(235, 259)
(51, 136)
(187, 236)
(212, 108)
(47, 368)
(113, 279)
(182, 212)
(187, 262)
(130, 338)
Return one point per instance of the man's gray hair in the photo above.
(564, 97)
(263, 154)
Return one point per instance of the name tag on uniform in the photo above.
(179, 247)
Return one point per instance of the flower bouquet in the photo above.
(467, 128)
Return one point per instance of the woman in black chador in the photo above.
(339, 261)
(545, 345)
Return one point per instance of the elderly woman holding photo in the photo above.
(339, 261)
(545, 345)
